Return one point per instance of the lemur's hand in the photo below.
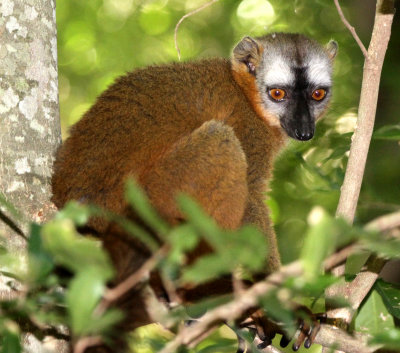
(266, 329)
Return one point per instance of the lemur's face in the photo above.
(294, 79)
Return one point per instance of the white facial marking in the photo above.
(279, 73)
(318, 72)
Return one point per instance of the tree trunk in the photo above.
(29, 122)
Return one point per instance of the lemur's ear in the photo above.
(248, 52)
(332, 48)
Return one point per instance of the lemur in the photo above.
(210, 129)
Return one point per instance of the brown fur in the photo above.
(195, 127)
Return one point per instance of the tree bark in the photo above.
(356, 290)
(366, 111)
(29, 123)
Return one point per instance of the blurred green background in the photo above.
(99, 40)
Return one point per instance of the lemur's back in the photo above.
(134, 122)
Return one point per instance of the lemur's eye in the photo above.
(319, 94)
(277, 94)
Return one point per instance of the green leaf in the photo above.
(10, 342)
(74, 251)
(223, 345)
(130, 227)
(201, 307)
(338, 153)
(14, 265)
(245, 248)
(312, 288)
(274, 209)
(140, 203)
(40, 262)
(100, 325)
(390, 296)
(251, 248)
(387, 132)
(201, 222)
(378, 244)
(319, 243)
(390, 339)
(355, 262)
(206, 268)
(374, 318)
(316, 171)
(277, 311)
(323, 236)
(75, 211)
(138, 232)
(84, 293)
(182, 238)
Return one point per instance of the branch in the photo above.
(329, 336)
(186, 16)
(86, 342)
(385, 223)
(125, 286)
(333, 337)
(248, 299)
(113, 294)
(351, 29)
(356, 291)
(366, 112)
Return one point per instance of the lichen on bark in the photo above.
(29, 129)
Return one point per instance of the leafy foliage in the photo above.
(100, 40)
(389, 339)
(376, 316)
(323, 236)
(246, 248)
(373, 317)
(391, 297)
(388, 132)
(71, 250)
(76, 300)
(51, 298)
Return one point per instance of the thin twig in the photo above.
(117, 292)
(113, 294)
(237, 283)
(339, 257)
(170, 288)
(385, 223)
(351, 29)
(85, 342)
(186, 16)
(249, 299)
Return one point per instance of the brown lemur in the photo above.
(210, 129)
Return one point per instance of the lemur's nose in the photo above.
(304, 135)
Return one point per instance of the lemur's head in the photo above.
(287, 78)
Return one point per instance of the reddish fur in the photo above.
(195, 127)
(248, 84)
